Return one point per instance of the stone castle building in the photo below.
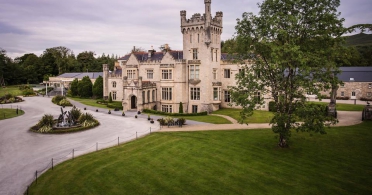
(198, 76)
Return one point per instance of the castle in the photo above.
(198, 76)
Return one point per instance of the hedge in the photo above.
(174, 114)
(67, 130)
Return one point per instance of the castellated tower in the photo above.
(105, 80)
(202, 52)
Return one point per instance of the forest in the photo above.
(32, 69)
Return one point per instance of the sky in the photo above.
(115, 26)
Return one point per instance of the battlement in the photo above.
(219, 14)
(183, 13)
(198, 19)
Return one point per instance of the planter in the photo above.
(109, 112)
(96, 110)
(139, 112)
(135, 116)
(123, 114)
(85, 108)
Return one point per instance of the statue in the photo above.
(367, 112)
(331, 108)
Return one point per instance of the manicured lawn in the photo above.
(222, 162)
(10, 89)
(6, 113)
(258, 116)
(345, 107)
(208, 119)
(89, 102)
(204, 118)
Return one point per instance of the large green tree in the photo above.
(85, 87)
(74, 87)
(98, 87)
(293, 46)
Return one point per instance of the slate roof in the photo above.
(156, 56)
(80, 75)
(359, 74)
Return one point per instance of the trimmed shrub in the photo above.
(56, 99)
(365, 99)
(85, 87)
(28, 92)
(74, 89)
(64, 102)
(181, 108)
(98, 87)
(110, 98)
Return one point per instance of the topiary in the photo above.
(56, 99)
(64, 102)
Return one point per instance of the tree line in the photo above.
(31, 68)
(353, 55)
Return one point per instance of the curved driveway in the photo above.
(23, 152)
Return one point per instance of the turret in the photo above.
(105, 80)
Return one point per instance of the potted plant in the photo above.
(148, 117)
(96, 110)
(123, 114)
(135, 116)
(85, 108)
(109, 111)
(139, 112)
(151, 121)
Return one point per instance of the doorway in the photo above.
(133, 102)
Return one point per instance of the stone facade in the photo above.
(355, 90)
(195, 76)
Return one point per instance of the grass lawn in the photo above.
(89, 102)
(208, 119)
(345, 107)
(204, 118)
(10, 89)
(222, 162)
(6, 113)
(258, 116)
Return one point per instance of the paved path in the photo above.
(345, 119)
(23, 152)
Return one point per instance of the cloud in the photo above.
(114, 27)
(10, 29)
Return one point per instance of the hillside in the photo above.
(360, 39)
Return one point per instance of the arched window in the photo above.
(114, 84)
(148, 96)
(153, 96)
